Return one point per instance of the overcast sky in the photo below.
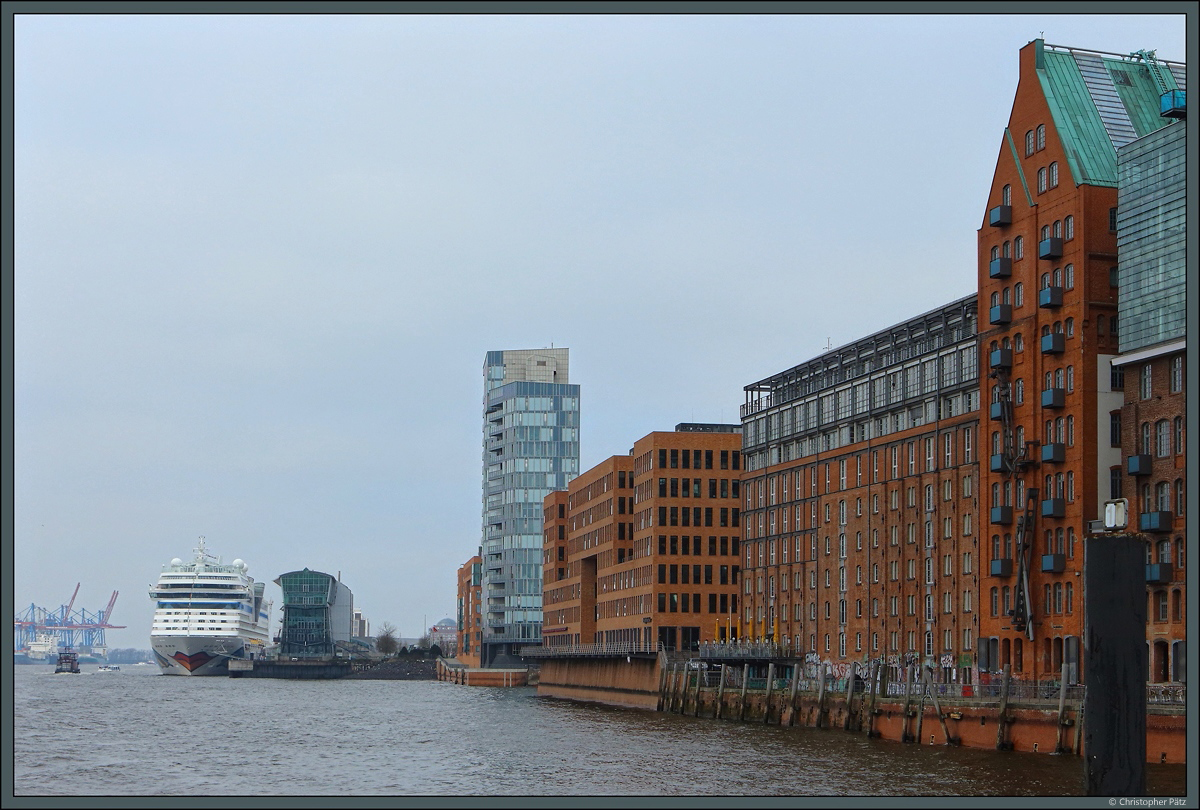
(259, 259)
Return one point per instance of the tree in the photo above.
(385, 641)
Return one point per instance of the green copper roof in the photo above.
(1099, 102)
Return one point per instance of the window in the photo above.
(1006, 195)
(1041, 137)
(1054, 177)
(1162, 437)
(1018, 294)
(1041, 180)
(1069, 227)
(1112, 219)
(1179, 438)
(1144, 384)
(1029, 143)
(1177, 375)
(1019, 247)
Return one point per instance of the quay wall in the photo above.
(473, 676)
(630, 682)
(974, 722)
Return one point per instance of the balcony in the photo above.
(1001, 568)
(1054, 507)
(1000, 358)
(1173, 104)
(1000, 314)
(1050, 298)
(1155, 522)
(1054, 398)
(996, 463)
(1139, 465)
(996, 410)
(1054, 343)
(1054, 563)
(1050, 248)
(1001, 515)
(1001, 215)
(1054, 453)
(1000, 268)
(1159, 573)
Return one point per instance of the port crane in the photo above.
(70, 627)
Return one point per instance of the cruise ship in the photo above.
(207, 612)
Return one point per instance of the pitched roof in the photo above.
(1099, 102)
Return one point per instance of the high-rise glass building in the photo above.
(530, 449)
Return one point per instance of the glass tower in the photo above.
(530, 448)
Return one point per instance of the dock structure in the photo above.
(870, 699)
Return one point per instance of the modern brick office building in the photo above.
(643, 549)
(1151, 425)
(1048, 298)
(859, 499)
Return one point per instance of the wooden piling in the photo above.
(921, 705)
(908, 676)
(941, 717)
(745, 683)
(767, 700)
(850, 696)
(699, 677)
(821, 697)
(720, 695)
(1002, 718)
(792, 699)
(873, 675)
(1059, 748)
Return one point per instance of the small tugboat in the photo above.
(68, 661)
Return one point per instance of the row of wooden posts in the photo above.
(674, 685)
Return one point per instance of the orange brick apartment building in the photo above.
(643, 549)
(470, 616)
(1048, 283)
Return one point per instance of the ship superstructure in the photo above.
(207, 612)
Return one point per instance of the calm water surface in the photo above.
(138, 733)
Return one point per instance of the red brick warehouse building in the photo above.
(1048, 291)
(860, 500)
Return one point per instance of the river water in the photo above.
(138, 733)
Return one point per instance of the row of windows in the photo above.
(687, 546)
(1166, 441)
(691, 603)
(691, 459)
(1146, 376)
(692, 487)
(691, 516)
(691, 574)
(1035, 140)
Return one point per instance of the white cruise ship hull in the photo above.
(202, 655)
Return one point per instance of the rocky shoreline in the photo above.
(399, 669)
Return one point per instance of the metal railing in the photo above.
(743, 649)
(591, 650)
